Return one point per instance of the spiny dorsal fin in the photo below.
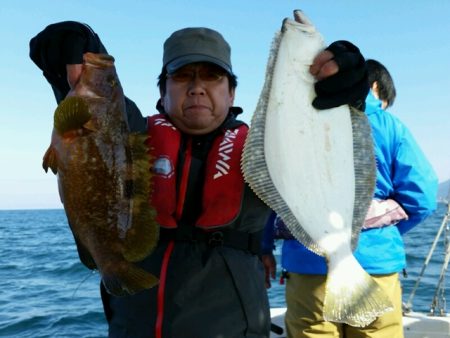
(143, 216)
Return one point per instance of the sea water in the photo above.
(46, 292)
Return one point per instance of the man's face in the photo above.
(197, 98)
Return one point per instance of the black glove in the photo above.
(349, 85)
(60, 44)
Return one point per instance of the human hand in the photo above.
(270, 268)
(341, 76)
(383, 213)
(73, 74)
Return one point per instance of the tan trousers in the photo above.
(304, 299)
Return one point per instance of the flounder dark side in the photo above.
(316, 169)
(104, 177)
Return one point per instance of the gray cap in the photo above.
(191, 45)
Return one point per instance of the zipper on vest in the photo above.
(184, 178)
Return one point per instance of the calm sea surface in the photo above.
(46, 292)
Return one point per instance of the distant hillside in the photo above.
(443, 190)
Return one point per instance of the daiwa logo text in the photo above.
(225, 148)
(164, 123)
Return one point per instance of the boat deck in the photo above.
(415, 324)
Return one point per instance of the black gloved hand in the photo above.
(349, 85)
(60, 44)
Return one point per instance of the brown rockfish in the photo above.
(104, 177)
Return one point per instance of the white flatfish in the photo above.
(316, 169)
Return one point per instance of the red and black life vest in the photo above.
(223, 184)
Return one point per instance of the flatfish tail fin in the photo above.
(253, 163)
(365, 170)
(353, 297)
(143, 234)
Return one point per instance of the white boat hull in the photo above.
(415, 324)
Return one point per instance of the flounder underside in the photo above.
(316, 170)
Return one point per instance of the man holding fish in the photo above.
(405, 195)
(207, 260)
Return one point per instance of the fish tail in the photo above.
(352, 296)
(134, 280)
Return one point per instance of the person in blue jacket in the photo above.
(406, 186)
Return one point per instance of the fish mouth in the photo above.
(98, 60)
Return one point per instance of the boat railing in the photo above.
(438, 304)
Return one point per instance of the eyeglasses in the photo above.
(205, 73)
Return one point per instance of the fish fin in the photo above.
(71, 114)
(140, 242)
(131, 281)
(353, 298)
(50, 160)
(253, 162)
(364, 169)
(90, 125)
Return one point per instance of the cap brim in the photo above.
(193, 58)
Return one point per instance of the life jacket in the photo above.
(223, 184)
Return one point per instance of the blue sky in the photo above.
(412, 38)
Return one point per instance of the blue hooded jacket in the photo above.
(404, 175)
